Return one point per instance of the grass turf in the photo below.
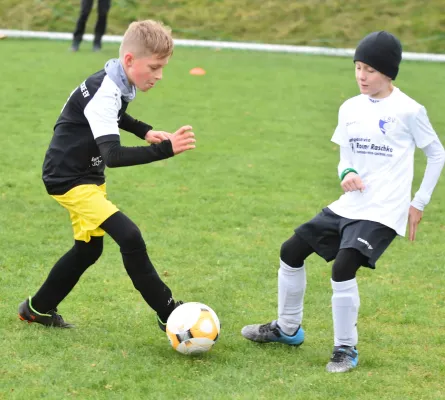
(213, 220)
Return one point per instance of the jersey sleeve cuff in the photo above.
(417, 203)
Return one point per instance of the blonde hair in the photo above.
(146, 38)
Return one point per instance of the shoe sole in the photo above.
(274, 341)
(287, 344)
(341, 371)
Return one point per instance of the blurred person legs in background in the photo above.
(102, 12)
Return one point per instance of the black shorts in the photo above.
(328, 232)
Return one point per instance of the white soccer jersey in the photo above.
(378, 139)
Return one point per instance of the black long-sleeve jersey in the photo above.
(86, 137)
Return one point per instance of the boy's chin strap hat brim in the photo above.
(381, 51)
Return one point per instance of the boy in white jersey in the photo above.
(377, 132)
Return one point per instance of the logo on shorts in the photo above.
(365, 242)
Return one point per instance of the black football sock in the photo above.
(138, 265)
(66, 273)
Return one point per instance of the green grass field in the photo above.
(213, 220)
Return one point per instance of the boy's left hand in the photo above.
(157, 136)
(414, 218)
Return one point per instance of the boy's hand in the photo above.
(183, 139)
(352, 182)
(157, 136)
(414, 218)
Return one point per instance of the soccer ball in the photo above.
(193, 328)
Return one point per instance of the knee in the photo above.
(131, 240)
(103, 9)
(286, 251)
(85, 13)
(346, 264)
(293, 252)
(342, 272)
(91, 251)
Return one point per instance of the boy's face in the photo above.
(144, 72)
(371, 82)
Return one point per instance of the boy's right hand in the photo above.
(352, 182)
(183, 139)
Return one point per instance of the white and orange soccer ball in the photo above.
(193, 328)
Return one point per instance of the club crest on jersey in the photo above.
(387, 124)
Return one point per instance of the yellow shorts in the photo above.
(88, 207)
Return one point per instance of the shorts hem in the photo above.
(370, 262)
(326, 257)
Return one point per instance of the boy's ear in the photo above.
(128, 59)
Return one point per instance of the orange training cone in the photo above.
(197, 71)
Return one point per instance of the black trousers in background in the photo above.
(102, 11)
(68, 270)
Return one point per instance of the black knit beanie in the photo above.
(381, 51)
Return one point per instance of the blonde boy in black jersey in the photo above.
(86, 139)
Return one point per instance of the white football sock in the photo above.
(345, 305)
(291, 288)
